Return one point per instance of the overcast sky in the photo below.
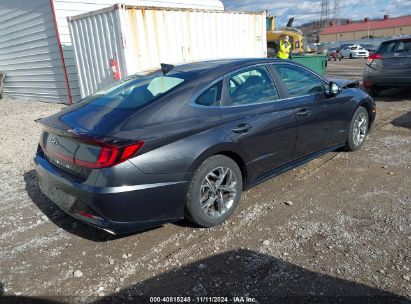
(309, 10)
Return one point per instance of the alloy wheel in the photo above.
(360, 129)
(218, 192)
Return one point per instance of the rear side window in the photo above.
(211, 96)
(298, 81)
(395, 46)
(404, 46)
(252, 86)
(387, 47)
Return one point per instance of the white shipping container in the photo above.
(36, 52)
(140, 38)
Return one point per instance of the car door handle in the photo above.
(242, 128)
(304, 112)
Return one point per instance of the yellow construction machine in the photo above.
(274, 37)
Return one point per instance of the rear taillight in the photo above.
(113, 155)
(367, 84)
(109, 156)
(373, 57)
(130, 150)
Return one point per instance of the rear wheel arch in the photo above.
(214, 191)
(239, 161)
(229, 151)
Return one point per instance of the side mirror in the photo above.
(333, 89)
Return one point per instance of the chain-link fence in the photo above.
(366, 41)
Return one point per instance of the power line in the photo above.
(326, 16)
(336, 10)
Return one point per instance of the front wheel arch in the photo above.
(368, 107)
(350, 144)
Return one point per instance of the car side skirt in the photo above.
(291, 165)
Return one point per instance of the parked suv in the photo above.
(389, 66)
(354, 51)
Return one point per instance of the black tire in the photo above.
(203, 216)
(374, 91)
(350, 55)
(357, 133)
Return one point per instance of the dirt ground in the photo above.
(345, 236)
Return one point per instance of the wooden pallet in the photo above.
(2, 76)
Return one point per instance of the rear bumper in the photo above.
(358, 55)
(386, 82)
(385, 78)
(118, 209)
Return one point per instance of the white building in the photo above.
(35, 46)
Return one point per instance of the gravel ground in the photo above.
(336, 229)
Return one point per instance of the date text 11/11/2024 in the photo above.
(205, 299)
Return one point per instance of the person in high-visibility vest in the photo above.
(284, 51)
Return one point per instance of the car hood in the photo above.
(345, 83)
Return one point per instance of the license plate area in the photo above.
(62, 199)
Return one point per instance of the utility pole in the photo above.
(336, 10)
(325, 12)
(325, 16)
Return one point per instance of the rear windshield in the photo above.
(135, 92)
(395, 46)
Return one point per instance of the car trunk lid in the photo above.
(79, 154)
(68, 153)
(397, 60)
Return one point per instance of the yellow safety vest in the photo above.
(284, 51)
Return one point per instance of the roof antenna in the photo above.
(165, 68)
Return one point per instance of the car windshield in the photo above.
(135, 91)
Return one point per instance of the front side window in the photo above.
(251, 86)
(298, 81)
